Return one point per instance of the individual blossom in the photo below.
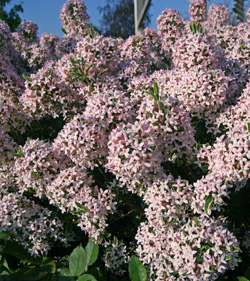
(32, 226)
(37, 165)
(74, 17)
(197, 10)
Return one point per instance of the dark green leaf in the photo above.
(63, 274)
(78, 261)
(97, 273)
(4, 234)
(14, 249)
(241, 278)
(137, 271)
(247, 273)
(209, 202)
(5, 276)
(156, 90)
(30, 274)
(49, 265)
(248, 127)
(92, 251)
(86, 277)
(64, 31)
(83, 209)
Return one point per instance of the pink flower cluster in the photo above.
(178, 245)
(197, 10)
(74, 18)
(130, 110)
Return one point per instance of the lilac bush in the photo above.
(141, 145)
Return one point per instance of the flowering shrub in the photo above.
(140, 145)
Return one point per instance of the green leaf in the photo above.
(137, 271)
(49, 265)
(30, 274)
(63, 274)
(14, 249)
(248, 127)
(156, 90)
(241, 278)
(227, 258)
(64, 31)
(92, 251)
(209, 202)
(97, 273)
(78, 261)
(5, 276)
(83, 209)
(86, 277)
(16, 155)
(4, 234)
(27, 78)
(196, 221)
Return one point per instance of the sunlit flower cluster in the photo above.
(163, 115)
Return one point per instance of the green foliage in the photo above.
(196, 27)
(12, 17)
(137, 271)
(29, 268)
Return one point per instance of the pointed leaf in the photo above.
(97, 273)
(209, 202)
(49, 265)
(30, 274)
(64, 31)
(156, 90)
(63, 274)
(196, 221)
(248, 127)
(27, 78)
(83, 209)
(86, 277)
(14, 249)
(137, 271)
(4, 234)
(92, 251)
(241, 278)
(78, 261)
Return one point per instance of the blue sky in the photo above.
(46, 13)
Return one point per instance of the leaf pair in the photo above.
(80, 259)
